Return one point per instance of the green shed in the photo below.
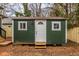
(33, 30)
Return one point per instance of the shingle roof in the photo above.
(38, 18)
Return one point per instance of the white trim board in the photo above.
(12, 30)
(65, 31)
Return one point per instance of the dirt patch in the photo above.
(29, 50)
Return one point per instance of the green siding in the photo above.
(28, 36)
(55, 37)
(24, 36)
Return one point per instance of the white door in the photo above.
(40, 30)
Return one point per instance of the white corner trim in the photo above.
(66, 31)
(12, 30)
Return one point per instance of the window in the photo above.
(56, 25)
(22, 25)
(40, 22)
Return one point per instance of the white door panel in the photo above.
(40, 31)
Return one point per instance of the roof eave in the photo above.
(38, 18)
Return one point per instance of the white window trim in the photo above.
(53, 22)
(22, 22)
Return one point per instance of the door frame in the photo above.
(36, 29)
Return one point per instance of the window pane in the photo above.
(40, 23)
(24, 25)
(20, 25)
(56, 26)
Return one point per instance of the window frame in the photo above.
(57, 22)
(19, 26)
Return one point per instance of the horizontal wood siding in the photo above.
(24, 36)
(55, 37)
